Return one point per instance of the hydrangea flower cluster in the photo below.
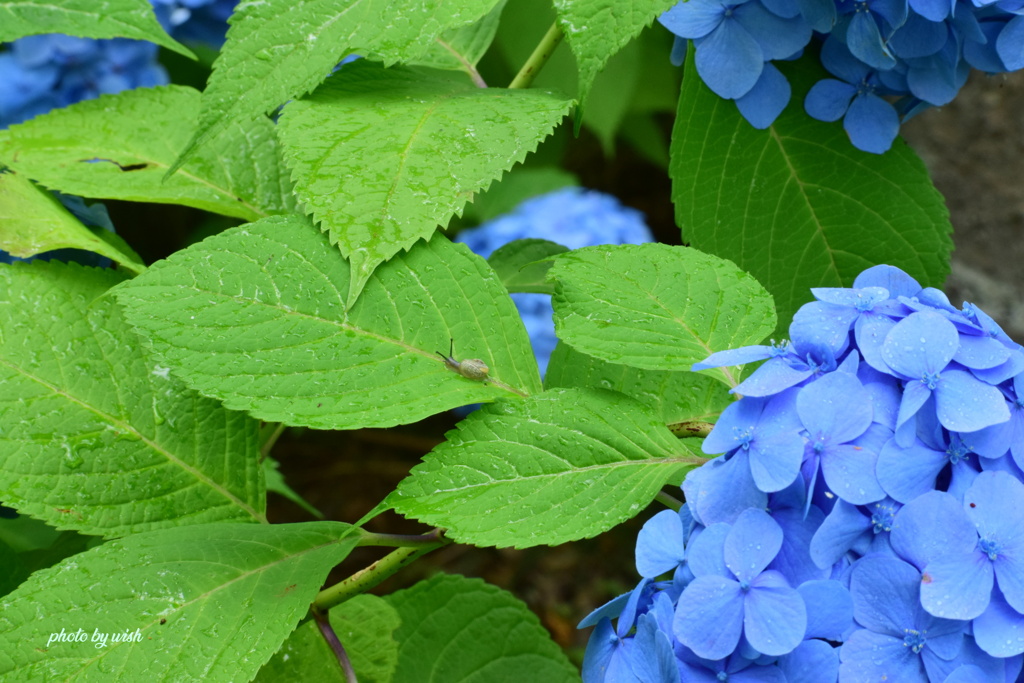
(44, 72)
(865, 521)
(572, 217)
(918, 52)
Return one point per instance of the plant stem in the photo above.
(327, 631)
(366, 579)
(271, 438)
(539, 58)
(467, 66)
(368, 538)
(668, 501)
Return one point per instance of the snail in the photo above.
(473, 368)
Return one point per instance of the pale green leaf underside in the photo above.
(460, 630)
(135, 136)
(560, 466)
(212, 602)
(279, 49)
(522, 267)
(86, 18)
(797, 206)
(33, 221)
(365, 625)
(461, 48)
(256, 317)
(674, 396)
(95, 434)
(656, 306)
(597, 29)
(381, 157)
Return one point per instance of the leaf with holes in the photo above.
(97, 436)
(256, 317)
(119, 146)
(656, 307)
(563, 465)
(226, 594)
(86, 18)
(381, 157)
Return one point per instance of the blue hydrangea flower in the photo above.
(573, 217)
(196, 21)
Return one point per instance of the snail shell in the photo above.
(472, 368)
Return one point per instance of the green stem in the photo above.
(668, 501)
(366, 579)
(269, 439)
(327, 631)
(539, 58)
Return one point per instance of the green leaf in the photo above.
(461, 48)
(255, 317)
(278, 50)
(515, 187)
(459, 630)
(119, 146)
(522, 265)
(656, 307)
(381, 157)
(86, 18)
(597, 29)
(365, 625)
(205, 602)
(12, 571)
(33, 221)
(797, 206)
(276, 484)
(96, 435)
(680, 396)
(563, 465)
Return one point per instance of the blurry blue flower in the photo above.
(197, 21)
(572, 217)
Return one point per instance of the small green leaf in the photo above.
(656, 307)
(33, 221)
(256, 317)
(674, 396)
(119, 146)
(381, 157)
(278, 50)
(86, 18)
(797, 206)
(522, 265)
(205, 602)
(365, 625)
(597, 29)
(461, 48)
(276, 484)
(459, 630)
(96, 435)
(563, 465)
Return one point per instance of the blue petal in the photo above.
(919, 37)
(838, 533)
(884, 592)
(871, 123)
(720, 490)
(957, 586)
(753, 542)
(825, 323)
(897, 282)
(931, 527)
(850, 472)
(706, 554)
(865, 42)
(984, 56)
(980, 353)
(778, 38)
(600, 649)
(837, 407)
(820, 14)
(1000, 630)
(868, 656)
(766, 100)
(932, 10)
(659, 545)
(922, 343)
(965, 404)
(775, 617)
(907, 472)
(829, 99)
(740, 356)
(812, 661)
(653, 660)
(729, 60)
(693, 19)
(771, 378)
(709, 616)
(794, 558)
(739, 419)
(1010, 44)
